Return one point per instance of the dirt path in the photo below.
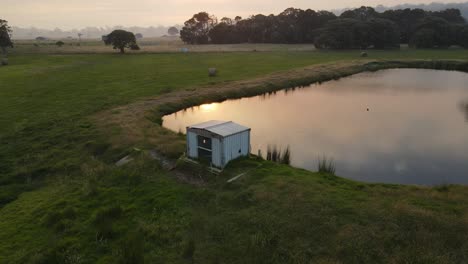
(135, 123)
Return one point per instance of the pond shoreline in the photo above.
(140, 123)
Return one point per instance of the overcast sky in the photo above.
(77, 14)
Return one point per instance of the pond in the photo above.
(406, 126)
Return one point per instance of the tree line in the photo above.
(359, 28)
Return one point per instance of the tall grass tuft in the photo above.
(326, 165)
(276, 155)
(286, 156)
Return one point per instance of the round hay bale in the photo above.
(364, 54)
(212, 72)
(4, 61)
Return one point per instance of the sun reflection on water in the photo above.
(209, 107)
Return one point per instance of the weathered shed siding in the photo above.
(216, 154)
(235, 146)
(192, 145)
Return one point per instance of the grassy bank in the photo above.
(63, 201)
(140, 123)
(274, 214)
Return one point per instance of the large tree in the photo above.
(121, 39)
(349, 33)
(451, 15)
(462, 37)
(344, 33)
(406, 19)
(5, 38)
(172, 31)
(384, 33)
(196, 29)
(433, 32)
(364, 13)
(223, 33)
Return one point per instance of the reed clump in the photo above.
(275, 154)
(326, 165)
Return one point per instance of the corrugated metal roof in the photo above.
(222, 128)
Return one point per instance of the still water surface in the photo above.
(395, 126)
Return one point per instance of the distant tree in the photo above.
(59, 43)
(363, 13)
(223, 33)
(343, 33)
(256, 29)
(5, 38)
(138, 36)
(351, 33)
(384, 33)
(134, 47)
(462, 37)
(172, 31)
(121, 39)
(424, 38)
(451, 15)
(290, 25)
(406, 19)
(196, 29)
(79, 38)
(227, 21)
(433, 32)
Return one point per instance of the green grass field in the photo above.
(63, 201)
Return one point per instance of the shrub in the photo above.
(59, 43)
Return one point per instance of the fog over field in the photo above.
(87, 32)
(435, 6)
(30, 20)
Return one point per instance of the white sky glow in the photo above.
(100, 13)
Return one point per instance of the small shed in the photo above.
(218, 141)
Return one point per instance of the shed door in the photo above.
(205, 151)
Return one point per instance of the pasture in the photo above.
(63, 200)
